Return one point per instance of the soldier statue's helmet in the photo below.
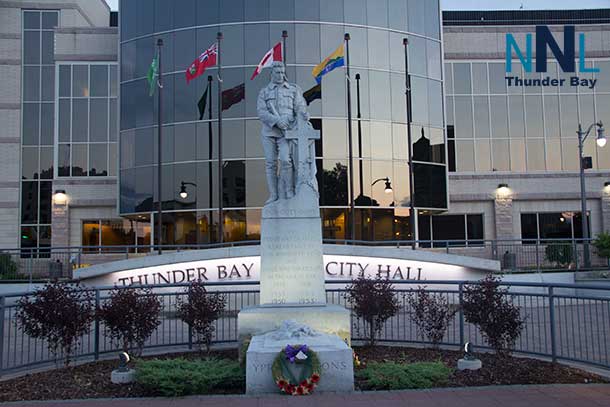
(276, 64)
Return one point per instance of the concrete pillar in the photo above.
(605, 206)
(503, 208)
(60, 224)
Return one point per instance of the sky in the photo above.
(498, 4)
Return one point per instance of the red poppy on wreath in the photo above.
(315, 378)
(309, 365)
(300, 390)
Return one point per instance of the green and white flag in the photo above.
(153, 74)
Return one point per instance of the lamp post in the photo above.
(388, 184)
(412, 212)
(183, 193)
(601, 141)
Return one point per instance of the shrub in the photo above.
(486, 306)
(200, 310)
(374, 301)
(396, 376)
(180, 377)
(559, 253)
(58, 313)
(431, 314)
(131, 315)
(602, 244)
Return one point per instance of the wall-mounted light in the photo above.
(60, 197)
(606, 184)
(503, 190)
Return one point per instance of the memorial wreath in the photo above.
(285, 378)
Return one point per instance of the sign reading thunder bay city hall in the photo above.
(566, 58)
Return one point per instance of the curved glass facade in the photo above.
(251, 28)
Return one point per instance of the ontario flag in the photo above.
(274, 54)
(206, 59)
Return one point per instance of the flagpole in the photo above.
(350, 144)
(159, 150)
(284, 36)
(210, 141)
(405, 42)
(220, 175)
(359, 119)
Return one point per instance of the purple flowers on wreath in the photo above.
(292, 352)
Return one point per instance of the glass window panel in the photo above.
(113, 80)
(29, 202)
(127, 188)
(185, 141)
(430, 186)
(256, 44)
(29, 237)
(117, 232)
(80, 85)
(378, 41)
(99, 80)
(589, 150)
(464, 151)
(144, 142)
(234, 184)
(382, 147)
(49, 19)
(497, 73)
(397, 90)
(253, 224)
(234, 142)
(91, 233)
(31, 19)
(463, 117)
(517, 119)
(31, 121)
(399, 142)
(48, 83)
(551, 116)
(98, 120)
(64, 120)
(307, 37)
(46, 163)
(29, 163)
(256, 183)
(435, 103)
(553, 154)
(448, 77)
(167, 150)
(483, 154)
(534, 77)
(461, 78)
(235, 225)
(46, 192)
(332, 182)
(258, 10)
(362, 182)
(479, 78)
(208, 12)
(397, 13)
(186, 14)
(128, 105)
(500, 155)
(535, 155)
(31, 47)
(551, 72)
(419, 100)
(432, 19)
(416, 11)
(377, 13)
(449, 110)
(587, 109)
(48, 47)
(80, 112)
(281, 10)
(112, 159)
(113, 125)
(529, 226)
(79, 160)
(517, 71)
(448, 227)
(98, 160)
(400, 184)
(63, 160)
(47, 125)
(417, 56)
(569, 154)
(334, 146)
(434, 60)
(31, 86)
(499, 116)
(207, 184)
(533, 113)
(162, 18)
(555, 226)
(569, 116)
(481, 116)
(331, 10)
(231, 10)
(383, 224)
(517, 155)
(65, 80)
(185, 173)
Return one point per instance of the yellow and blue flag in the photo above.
(334, 60)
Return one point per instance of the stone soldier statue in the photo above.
(279, 105)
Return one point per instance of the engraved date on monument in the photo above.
(307, 301)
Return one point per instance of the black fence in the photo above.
(562, 321)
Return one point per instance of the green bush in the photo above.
(8, 267)
(602, 244)
(560, 253)
(396, 376)
(181, 377)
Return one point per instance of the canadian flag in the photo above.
(274, 54)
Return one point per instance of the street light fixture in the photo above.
(388, 184)
(183, 193)
(601, 141)
(60, 197)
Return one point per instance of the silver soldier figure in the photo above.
(278, 106)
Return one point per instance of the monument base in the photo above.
(329, 319)
(119, 377)
(469, 364)
(336, 360)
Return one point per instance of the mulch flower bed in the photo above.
(92, 380)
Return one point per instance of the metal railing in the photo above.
(514, 255)
(562, 321)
